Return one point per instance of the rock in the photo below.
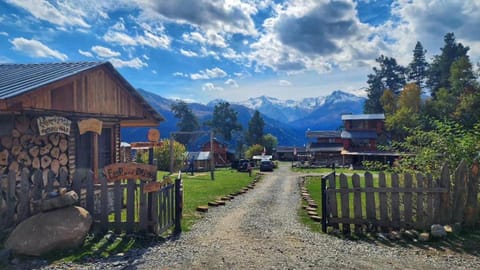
(423, 237)
(394, 235)
(448, 228)
(64, 228)
(437, 231)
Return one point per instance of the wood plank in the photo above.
(117, 205)
(143, 208)
(387, 189)
(357, 202)
(407, 201)
(154, 209)
(103, 204)
(345, 202)
(420, 213)
(11, 201)
(383, 200)
(332, 199)
(119, 171)
(370, 199)
(23, 208)
(131, 189)
(430, 210)
(89, 201)
(444, 206)
(471, 211)
(395, 203)
(459, 193)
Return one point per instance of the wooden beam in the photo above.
(139, 123)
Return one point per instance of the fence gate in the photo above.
(131, 199)
(400, 201)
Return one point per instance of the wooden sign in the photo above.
(53, 124)
(120, 171)
(156, 186)
(92, 124)
(153, 135)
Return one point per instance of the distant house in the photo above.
(290, 153)
(199, 160)
(222, 157)
(325, 147)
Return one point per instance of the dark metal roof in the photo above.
(326, 147)
(359, 135)
(16, 79)
(377, 116)
(323, 134)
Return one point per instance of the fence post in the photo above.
(444, 207)
(178, 205)
(471, 211)
(459, 193)
(324, 203)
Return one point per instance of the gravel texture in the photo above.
(261, 230)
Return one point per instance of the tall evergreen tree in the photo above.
(255, 129)
(418, 68)
(187, 120)
(390, 76)
(224, 120)
(439, 72)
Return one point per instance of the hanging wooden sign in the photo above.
(156, 186)
(53, 124)
(153, 135)
(91, 124)
(120, 171)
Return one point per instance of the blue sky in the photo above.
(234, 49)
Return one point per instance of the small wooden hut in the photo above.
(66, 116)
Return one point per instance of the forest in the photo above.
(432, 108)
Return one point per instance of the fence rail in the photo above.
(400, 201)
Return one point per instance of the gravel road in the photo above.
(261, 230)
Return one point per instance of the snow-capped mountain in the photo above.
(292, 110)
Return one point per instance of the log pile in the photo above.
(25, 148)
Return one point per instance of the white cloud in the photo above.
(209, 74)
(85, 53)
(35, 48)
(232, 83)
(210, 38)
(188, 53)
(104, 52)
(62, 13)
(180, 74)
(135, 63)
(209, 87)
(4, 34)
(152, 36)
(284, 83)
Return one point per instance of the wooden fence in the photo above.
(125, 205)
(401, 201)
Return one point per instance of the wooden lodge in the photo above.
(66, 116)
(221, 156)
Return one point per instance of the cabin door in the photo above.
(94, 151)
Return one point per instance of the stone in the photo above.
(448, 228)
(438, 231)
(423, 237)
(394, 235)
(202, 208)
(59, 201)
(410, 234)
(65, 228)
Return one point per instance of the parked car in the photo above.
(266, 166)
(242, 165)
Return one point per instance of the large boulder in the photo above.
(64, 228)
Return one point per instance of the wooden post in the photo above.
(324, 203)
(345, 203)
(131, 189)
(471, 211)
(357, 202)
(383, 201)
(444, 206)
(420, 215)
(459, 193)
(370, 199)
(407, 200)
(332, 198)
(95, 157)
(171, 153)
(178, 206)
(395, 202)
(103, 204)
(212, 158)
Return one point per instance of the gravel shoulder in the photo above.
(261, 230)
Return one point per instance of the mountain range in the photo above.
(285, 119)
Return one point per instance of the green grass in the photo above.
(199, 189)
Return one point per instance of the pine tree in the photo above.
(187, 120)
(255, 129)
(418, 68)
(224, 120)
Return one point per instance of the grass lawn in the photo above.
(199, 189)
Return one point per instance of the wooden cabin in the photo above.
(221, 155)
(66, 116)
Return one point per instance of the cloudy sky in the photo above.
(234, 49)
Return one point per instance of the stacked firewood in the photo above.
(25, 148)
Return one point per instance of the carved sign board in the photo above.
(92, 124)
(156, 186)
(153, 135)
(120, 171)
(53, 124)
